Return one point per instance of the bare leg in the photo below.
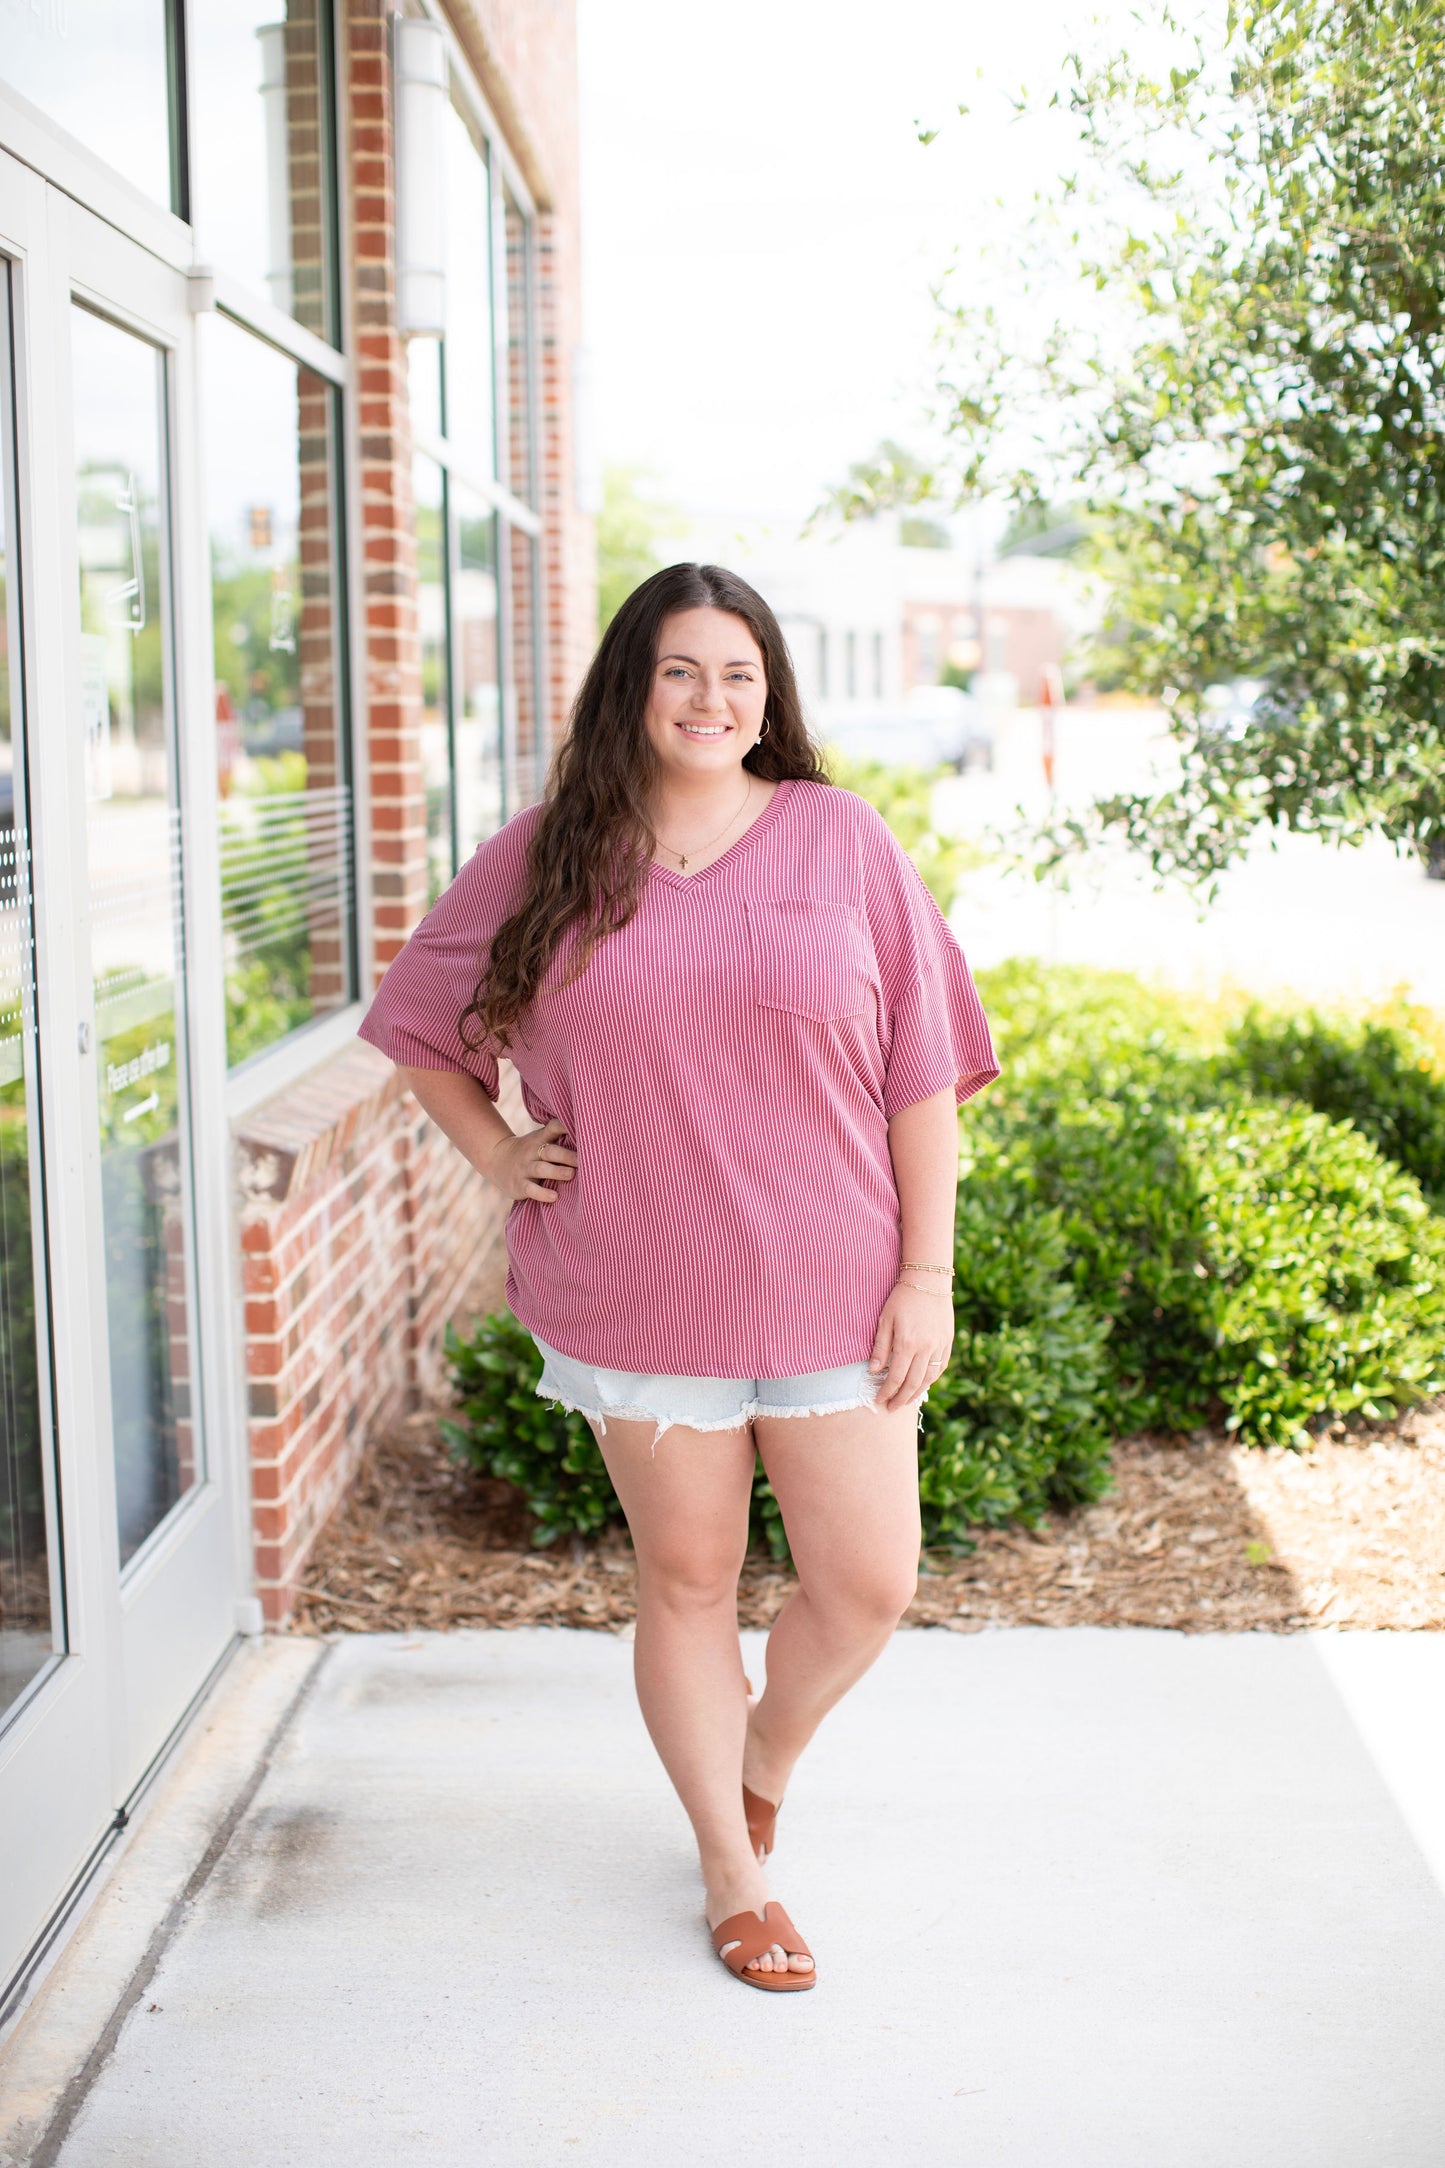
(687, 1508)
(848, 1488)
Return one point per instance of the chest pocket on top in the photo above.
(808, 957)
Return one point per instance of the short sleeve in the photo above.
(415, 1015)
(934, 1033)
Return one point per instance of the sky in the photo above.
(762, 226)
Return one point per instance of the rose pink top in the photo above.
(726, 1068)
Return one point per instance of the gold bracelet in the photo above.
(914, 1289)
(927, 1268)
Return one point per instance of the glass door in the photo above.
(30, 1626)
(56, 1793)
(136, 671)
(122, 1466)
(137, 918)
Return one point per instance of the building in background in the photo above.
(293, 605)
(874, 625)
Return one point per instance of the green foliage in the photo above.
(1255, 1259)
(1322, 1274)
(268, 978)
(630, 528)
(22, 1495)
(1066, 1030)
(1262, 445)
(1015, 1424)
(904, 796)
(891, 479)
(1035, 528)
(917, 532)
(506, 1430)
(1381, 1076)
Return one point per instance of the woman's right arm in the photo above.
(479, 1130)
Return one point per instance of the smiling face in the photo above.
(709, 695)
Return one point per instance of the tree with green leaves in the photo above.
(1263, 453)
(630, 529)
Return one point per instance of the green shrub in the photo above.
(1382, 1076)
(1115, 1170)
(1323, 1289)
(1013, 1425)
(1058, 1024)
(506, 1430)
(1258, 1260)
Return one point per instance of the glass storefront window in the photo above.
(27, 1637)
(133, 848)
(429, 492)
(286, 858)
(103, 69)
(467, 354)
(479, 768)
(260, 149)
(478, 572)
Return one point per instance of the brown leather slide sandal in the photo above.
(753, 1935)
(762, 1819)
(762, 1815)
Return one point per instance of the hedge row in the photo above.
(1164, 1221)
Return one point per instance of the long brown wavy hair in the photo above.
(591, 848)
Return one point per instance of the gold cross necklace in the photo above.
(699, 848)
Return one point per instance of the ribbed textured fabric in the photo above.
(726, 1068)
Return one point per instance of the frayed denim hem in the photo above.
(624, 1414)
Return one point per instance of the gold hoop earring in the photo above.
(762, 733)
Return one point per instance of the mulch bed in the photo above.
(1201, 1536)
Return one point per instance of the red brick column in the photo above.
(388, 582)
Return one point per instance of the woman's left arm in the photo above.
(915, 1325)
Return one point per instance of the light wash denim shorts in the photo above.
(700, 1403)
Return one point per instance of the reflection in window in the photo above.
(259, 148)
(133, 852)
(26, 1635)
(286, 875)
(101, 68)
(525, 689)
(468, 359)
(479, 785)
(521, 449)
(436, 728)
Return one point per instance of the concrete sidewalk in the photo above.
(1079, 1899)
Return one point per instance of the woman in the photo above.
(742, 1028)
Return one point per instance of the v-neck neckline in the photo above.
(686, 880)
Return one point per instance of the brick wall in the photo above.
(385, 585)
(361, 1230)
